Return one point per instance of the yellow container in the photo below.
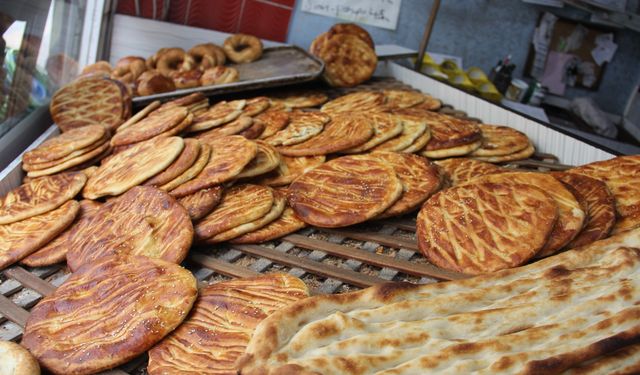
(488, 91)
(462, 81)
(433, 71)
(477, 76)
(450, 68)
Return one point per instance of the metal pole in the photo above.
(427, 34)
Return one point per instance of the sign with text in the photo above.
(380, 13)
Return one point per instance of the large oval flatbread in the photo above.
(144, 221)
(279, 203)
(266, 160)
(153, 125)
(300, 99)
(348, 60)
(73, 155)
(622, 176)
(56, 250)
(412, 129)
(599, 203)
(187, 158)
(75, 163)
(429, 104)
(39, 196)
(19, 239)
(419, 143)
(253, 131)
(420, 179)
(520, 155)
(287, 223)
(240, 204)
(133, 166)
(342, 133)
(234, 127)
(485, 227)
(500, 141)
(65, 144)
(571, 216)
(290, 168)
(385, 127)
(302, 126)
(221, 323)
(461, 150)
(201, 203)
(193, 171)
(360, 101)
(398, 99)
(16, 360)
(274, 121)
(344, 191)
(229, 156)
(219, 114)
(115, 309)
(460, 170)
(256, 105)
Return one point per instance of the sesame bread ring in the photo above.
(174, 59)
(207, 55)
(243, 48)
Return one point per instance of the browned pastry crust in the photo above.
(186, 79)
(348, 59)
(40, 196)
(115, 309)
(56, 250)
(267, 159)
(187, 158)
(344, 191)
(500, 141)
(485, 227)
(218, 114)
(155, 124)
(359, 101)
(301, 127)
(29, 167)
(234, 127)
(99, 67)
(75, 163)
(598, 204)
(219, 75)
(520, 155)
(153, 82)
(221, 323)
(412, 131)
(273, 120)
(19, 239)
(399, 99)
(173, 59)
(193, 171)
(287, 223)
(207, 55)
(256, 106)
(201, 203)
(353, 29)
(254, 131)
(242, 48)
(143, 221)
(385, 127)
(65, 144)
(429, 104)
(290, 168)
(300, 99)
(460, 170)
(17, 360)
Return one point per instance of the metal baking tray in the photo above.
(278, 66)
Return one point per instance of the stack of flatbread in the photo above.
(570, 312)
(502, 144)
(91, 101)
(72, 150)
(35, 213)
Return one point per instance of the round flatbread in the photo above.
(342, 133)
(266, 160)
(429, 104)
(412, 130)
(75, 163)
(485, 226)
(290, 168)
(234, 127)
(461, 170)
(420, 179)
(16, 360)
(254, 131)
(500, 141)
(599, 205)
(302, 126)
(522, 154)
(419, 143)
(360, 101)
(56, 250)
(385, 127)
(48, 164)
(300, 99)
(143, 221)
(193, 171)
(229, 156)
(201, 203)
(39, 196)
(133, 166)
(115, 309)
(398, 99)
(274, 121)
(187, 158)
(344, 191)
(256, 106)
(219, 114)
(461, 150)
(287, 223)
(221, 323)
(571, 216)
(353, 29)
(348, 60)
(622, 176)
(155, 124)
(65, 144)
(240, 204)
(19, 239)
(180, 128)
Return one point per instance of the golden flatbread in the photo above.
(201, 203)
(419, 178)
(500, 141)
(461, 170)
(385, 127)
(484, 227)
(266, 160)
(571, 216)
(461, 150)
(65, 144)
(180, 128)
(398, 99)
(77, 162)
(115, 309)
(234, 127)
(153, 125)
(186, 159)
(219, 114)
(522, 154)
(624, 361)
(287, 223)
(16, 360)
(419, 143)
(348, 60)
(193, 171)
(359, 101)
(290, 168)
(254, 131)
(429, 104)
(300, 99)
(39, 196)
(133, 166)
(143, 221)
(344, 191)
(256, 105)
(19, 239)
(221, 323)
(48, 164)
(622, 176)
(598, 203)
(229, 156)
(56, 250)
(412, 130)
(302, 126)
(141, 114)
(342, 133)
(274, 121)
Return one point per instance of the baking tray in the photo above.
(278, 66)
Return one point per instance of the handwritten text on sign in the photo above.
(381, 13)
